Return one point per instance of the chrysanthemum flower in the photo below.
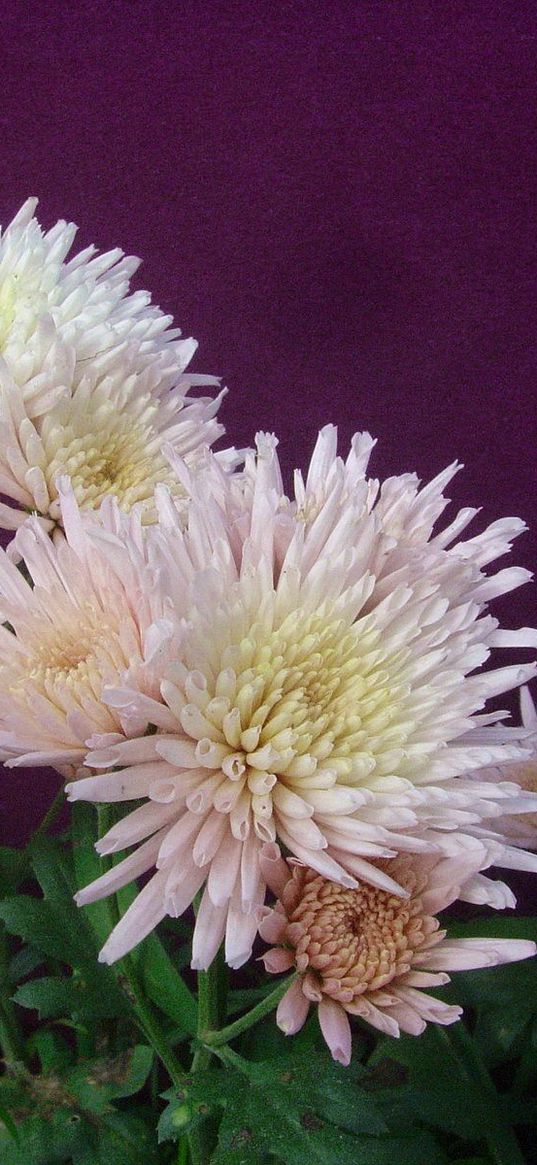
(86, 298)
(92, 380)
(325, 692)
(519, 829)
(369, 952)
(109, 431)
(76, 628)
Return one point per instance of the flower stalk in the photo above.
(501, 1138)
(215, 1039)
(147, 1020)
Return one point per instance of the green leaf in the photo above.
(69, 1117)
(165, 986)
(13, 867)
(80, 998)
(96, 1084)
(54, 1053)
(498, 1030)
(496, 926)
(122, 1139)
(23, 963)
(7, 1120)
(512, 984)
(473, 1160)
(88, 865)
(53, 869)
(49, 927)
(295, 1110)
(44, 924)
(439, 1092)
(43, 1141)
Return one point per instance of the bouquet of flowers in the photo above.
(270, 716)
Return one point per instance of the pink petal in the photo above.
(408, 1019)
(528, 710)
(208, 933)
(129, 752)
(126, 785)
(210, 838)
(183, 882)
(273, 927)
(376, 1016)
(241, 930)
(321, 862)
(464, 954)
(424, 979)
(292, 1009)
(178, 840)
(432, 1010)
(131, 867)
(275, 871)
(366, 872)
(336, 1030)
(251, 875)
(141, 918)
(135, 827)
(277, 960)
(310, 987)
(224, 870)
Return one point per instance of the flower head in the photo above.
(368, 952)
(110, 431)
(87, 299)
(74, 628)
(518, 828)
(324, 691)
(92, 379)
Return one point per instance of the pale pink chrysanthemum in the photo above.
(84, 302)
(92, 379)
(74, 629)
(325, 692)
(369, 952)
(517, 828)
(110, 431)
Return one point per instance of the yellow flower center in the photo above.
(72, 661)
(283, 711)
(106, 451)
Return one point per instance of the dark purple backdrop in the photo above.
(337, 199)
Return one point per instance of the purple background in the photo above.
(337, 199)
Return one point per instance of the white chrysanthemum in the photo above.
(86, 298)
(77, 627)
(92, 380)
(109, 433)
(325, 692)
(515, 828)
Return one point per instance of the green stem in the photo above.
(50, 816)
(11, 1041)
(125, 968)
(183, 1155)
(148, 1022)
(501, 1139)
(212, 989)
(215, 1039)
(211, 1007)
